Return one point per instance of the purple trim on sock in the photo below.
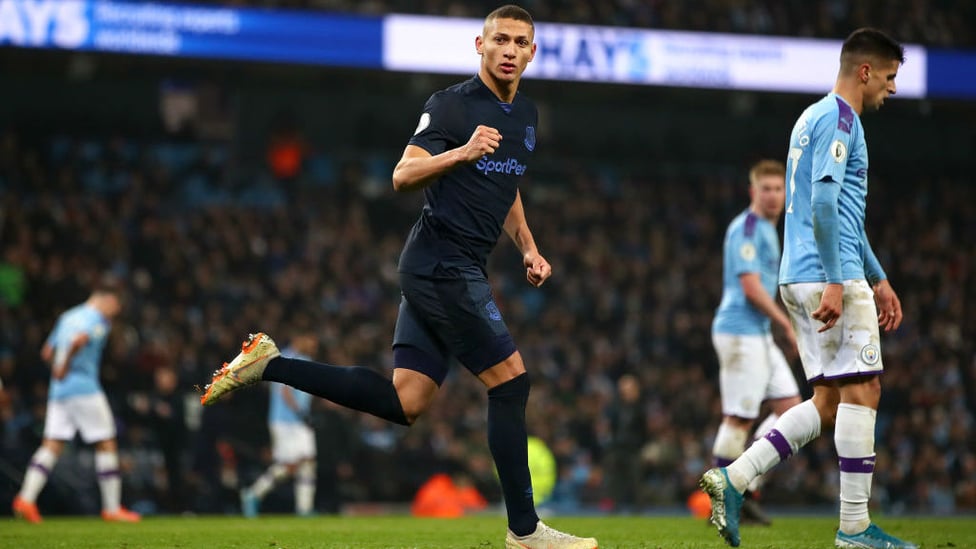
(722, 462)
(779, 442)
(106, 474)
(856, 465)
(40, 468)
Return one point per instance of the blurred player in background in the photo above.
(837, 295)
(753, 370)
(292, 440)
(468, 155)
(77, 404)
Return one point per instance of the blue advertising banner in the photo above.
(446, 45)
(952, 73)
(193, 31)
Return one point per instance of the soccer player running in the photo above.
(753, 370)
(292, 440)
(837, 295)
(77, 404)
(468, 154)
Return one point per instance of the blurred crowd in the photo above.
(945, 23)
(617, 342)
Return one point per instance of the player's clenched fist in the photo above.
(483, 141)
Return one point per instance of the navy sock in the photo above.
(508, 441)
(354, 387)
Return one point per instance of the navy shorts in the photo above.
(449, 314)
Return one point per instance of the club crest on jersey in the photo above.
(747, 251)
(530, 138)
(492, 310)
(870, 354)
(838, 150)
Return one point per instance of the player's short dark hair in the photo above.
(109, 284)
(869, 42)
(511, 11)
(766, 167)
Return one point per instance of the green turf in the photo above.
(467, 533)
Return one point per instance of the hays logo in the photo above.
(40, 23)
(508, 166)
(58, 23)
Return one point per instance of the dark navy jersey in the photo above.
(465, 209)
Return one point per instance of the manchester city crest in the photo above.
(530, 138)
(870, 354)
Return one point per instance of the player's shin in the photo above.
(854, 439)
(794, 429)
(109, 480)
(730, 441)
(508, 442)
(35, 478)
(305, 488)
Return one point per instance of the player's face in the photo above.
(506, 47)
(768, 196)
(111, 306)
(881, 83)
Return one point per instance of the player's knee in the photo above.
(737, 422)
(413, 408)
(826, 402)
(862, 391)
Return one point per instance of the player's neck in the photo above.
(850, 93)
(504, 91)
(758, 212)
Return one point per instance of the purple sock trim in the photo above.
(856, 465)
(779, 442)
(106, 474)
(721, 461)
(40, 468)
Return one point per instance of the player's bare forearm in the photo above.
(517, 227)
(889, 306)
(417, 168)
(47, 353)
(831, 306)
(756, 294)
(289, 399)
(60, 369)
(537, 268)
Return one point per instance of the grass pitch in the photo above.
(398, 532)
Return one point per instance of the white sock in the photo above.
(305, 487)
(41, 465)
(793, 430)
(109, 481)
(854, 439)
(730, 441)
(764, 427)
(267, 481)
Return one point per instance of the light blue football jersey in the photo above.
(751, 246)
(82, 377)
(278, 409)
(827, 144)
